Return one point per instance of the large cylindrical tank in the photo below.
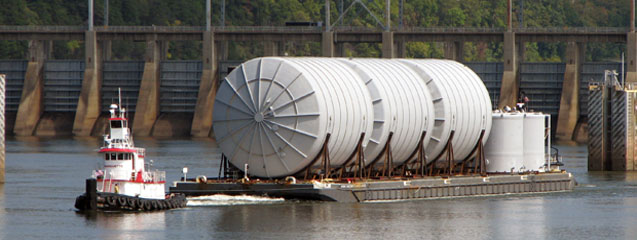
(534, 137)
(504, 151)
(275, 113)
(461, 104)
(402, 105)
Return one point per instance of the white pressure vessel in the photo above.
(275, 113)
(402, 105)
(461, 104)
(534, 137)
(504, 151)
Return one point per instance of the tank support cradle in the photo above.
(449, 152)
(354, 166)
(324, 155)
(476, 157)
(359, 164)
(420, 161)
(387, 162)
(223, 167)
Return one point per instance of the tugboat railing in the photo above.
(154, 176)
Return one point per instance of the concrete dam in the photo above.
(179, 84)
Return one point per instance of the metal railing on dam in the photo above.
(312, 29)
(312, 33)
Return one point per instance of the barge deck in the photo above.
(395, 189)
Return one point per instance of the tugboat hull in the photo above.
(103, 201)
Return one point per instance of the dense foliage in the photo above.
(417, 13)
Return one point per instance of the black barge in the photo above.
(394, 189)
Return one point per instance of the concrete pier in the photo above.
(454, 51)
(31, 104)
(327, 44)
(2, 126)
(388, 45)
(510, 82)
(272, 48)
(569, 102)
(612, 118)
(401, 49)
(147, 110)
(631, 57)
(88, 105)
(202, 119)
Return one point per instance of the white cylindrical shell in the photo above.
(504, 151)
(275, 113)
(402, 105)
(534, 136)
(461, 104)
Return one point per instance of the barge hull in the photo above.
(388, 190)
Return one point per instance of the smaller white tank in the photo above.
(534, 136)
(504, 151)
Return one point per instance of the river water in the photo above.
(45, 175)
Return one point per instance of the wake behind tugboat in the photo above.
(229, 200)
(125, 184)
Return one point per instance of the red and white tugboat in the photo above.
(125, 183)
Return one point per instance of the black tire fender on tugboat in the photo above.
(138, 203)
(154, 204)
(111, 201)
(121, 202)
(147, 205)
(131, 202)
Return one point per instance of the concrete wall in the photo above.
(179, 87)
(176, 97)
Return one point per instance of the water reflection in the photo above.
(518, 218)
(127, 225)
(45, 175)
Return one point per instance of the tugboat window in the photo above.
(107, 157)
(120, 156)
(116, 124)
(113, 156)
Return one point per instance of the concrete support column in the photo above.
(221, 50)
(88, 105)
(569, 102)
(202, 120)
(270, 49)
(2, 132)
(327, 44)
(340, 50)
(48, 49)
(164, 46)
(107, 50)
(521, 52)
(31, 102)
(281, 48)
(510, 86)
(147, 109)
(454, 51)
(631, 57)
(388, 45)
(401, 49)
